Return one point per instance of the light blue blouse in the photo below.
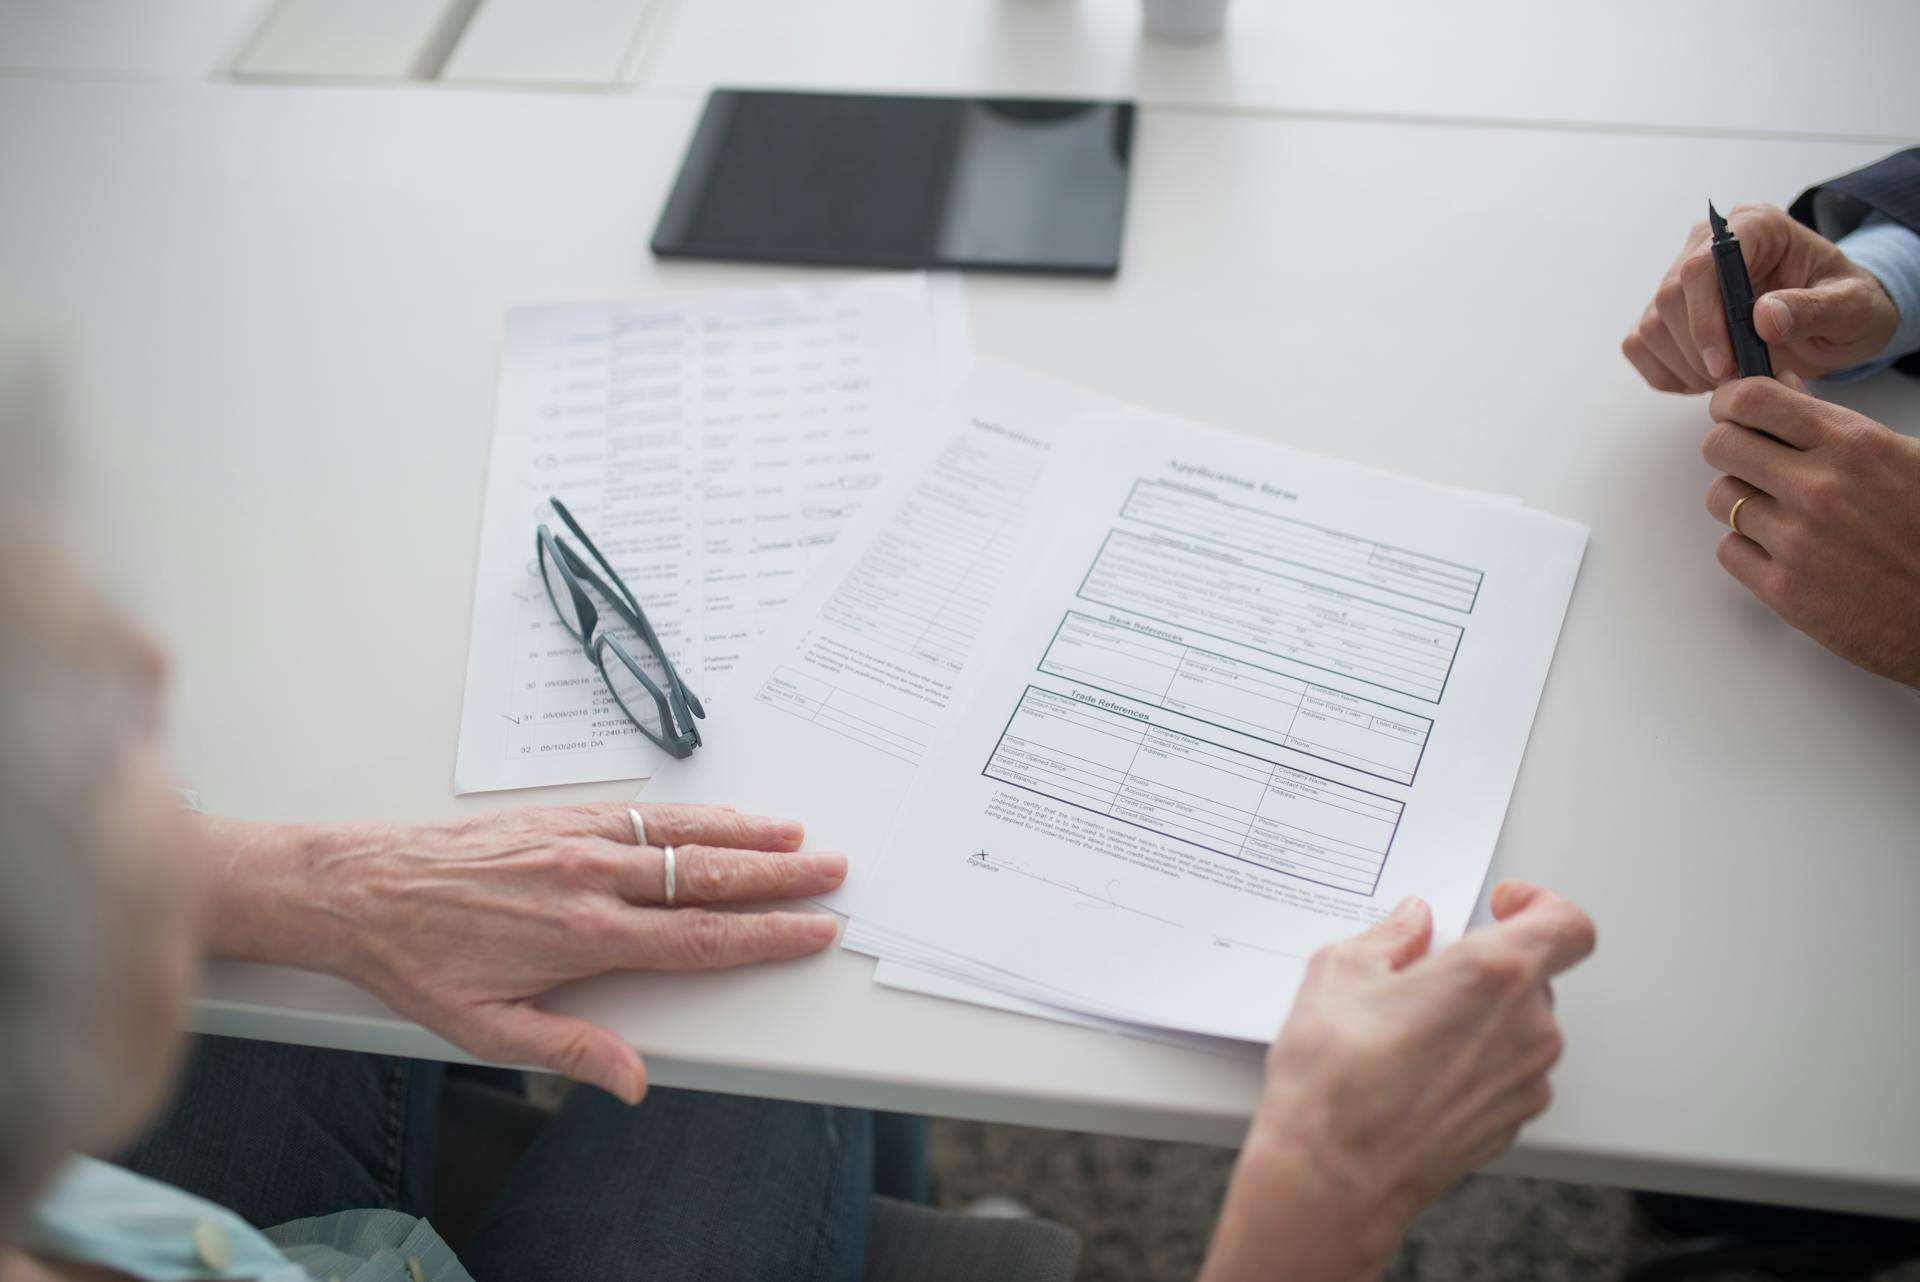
(99, 1214)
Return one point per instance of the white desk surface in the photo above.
(266, 320)
(1840, 69)
(1775, 66)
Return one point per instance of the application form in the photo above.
(1245, 700)
(831, 718)
(713, 446)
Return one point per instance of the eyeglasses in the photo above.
(647, 687)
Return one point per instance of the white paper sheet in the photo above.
(1245, 702)
(913, 979)
(833, 713)
(713, 446)
(907, 965)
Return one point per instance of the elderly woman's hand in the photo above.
(462, 926)
(1397, 1073)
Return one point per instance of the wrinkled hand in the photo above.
(463, 926)
(1830, 532)
(1816, 311)
(1397, 1073)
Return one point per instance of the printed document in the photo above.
(713, 446)
(1243, 701)
(833, 714)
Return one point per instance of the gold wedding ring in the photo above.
(1733, 517)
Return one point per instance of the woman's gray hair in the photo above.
(65, 725)
(61, 733)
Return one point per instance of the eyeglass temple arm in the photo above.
(626, 594)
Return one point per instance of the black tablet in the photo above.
(867, 180)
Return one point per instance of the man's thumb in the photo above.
(1831, 311)
(572, 1047)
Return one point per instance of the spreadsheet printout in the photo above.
(834, 712)
(1247, 699)
(713, 447)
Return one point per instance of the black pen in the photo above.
(1736, 299)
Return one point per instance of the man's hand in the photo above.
(463, 926)
(1396, 1073)
(1830, 530)
(1815, 310)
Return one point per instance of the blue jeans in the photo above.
(686, 1185)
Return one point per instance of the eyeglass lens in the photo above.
(632, 692)
(562, 595)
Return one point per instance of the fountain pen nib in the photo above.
(1716, 222)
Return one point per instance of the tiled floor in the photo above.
(1144, 1211)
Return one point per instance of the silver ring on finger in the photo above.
(668, 867)
(639, 827)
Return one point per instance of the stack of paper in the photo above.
(1121, 717)
(1118, 717)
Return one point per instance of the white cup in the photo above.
(1185, 20)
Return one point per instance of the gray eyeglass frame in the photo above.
(678, 706)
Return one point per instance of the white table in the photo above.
(267, 320)
(1839, 70)
(1777, 67)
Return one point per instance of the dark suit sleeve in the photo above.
(1890, 187)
